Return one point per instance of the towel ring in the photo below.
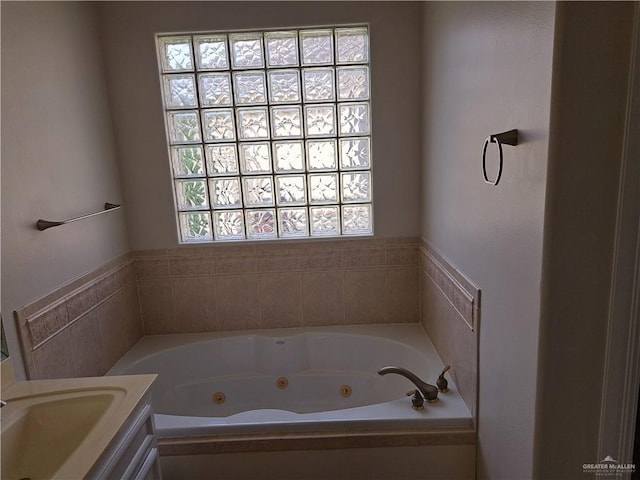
(509, 138)
(484, 162)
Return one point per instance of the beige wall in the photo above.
(58, 157)
(129, 29)
(540, 245)
(487, 69)
(589, 108)
(482, 68)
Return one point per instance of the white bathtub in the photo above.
(291, 380)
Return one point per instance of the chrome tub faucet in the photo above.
(429, 392)
(425, 391)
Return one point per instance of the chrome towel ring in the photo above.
(507, 138)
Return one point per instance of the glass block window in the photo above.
(269, 132)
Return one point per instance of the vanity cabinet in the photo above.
(133, 452)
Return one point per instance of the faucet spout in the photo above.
(429, 392)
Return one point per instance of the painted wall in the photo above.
(58, 156)
(589, 108)
(487, 69)
(128, 34)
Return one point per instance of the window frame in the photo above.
(208, 178)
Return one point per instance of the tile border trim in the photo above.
(44, 319)
(461, 292)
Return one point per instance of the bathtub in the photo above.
(291, 380)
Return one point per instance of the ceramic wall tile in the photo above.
(323, 298)
(47, 323)
(152, 267)
(280, 297)
(321, 259)
(237, 302)
(364, 257)
(54, 359)
(450, 311)
(193, 304)
(81, 301)
(79, 326)
(365, 296)
(156, 305)
(402, 294)
(230, 287)
(86, 342)
(226, 265)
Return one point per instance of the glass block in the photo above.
(258, 191)
(288, 156)
(282, 49)
(225, 192)
(353, 83)
(184, 127)
(222, 159)
(255, 158)
(286, 122)
(195, 226)
(320, 120)
(211, 52)
(354, 119)
(180, 91)
(187, 161)
(325, 221)
(215, 89)
(228, 225)
(246, 50)
(293, 222)
(218, 125)
(323, 188)
(357, 220)
(355, 153)
(261, 223)
(318, 85)
(353, 45)
(253, 123)
(284, 86)
(322, 155)
(175, 54)
(356, 187)
(191, 194)
(250, 88)
(290, 190)
(317, 47)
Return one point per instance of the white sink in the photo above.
(41, 432)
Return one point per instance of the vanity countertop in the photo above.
(94, 409)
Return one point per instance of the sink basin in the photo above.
(41, 432)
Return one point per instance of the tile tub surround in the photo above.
(278, 284)
(82, 328)
(450, 314)
(85, 326)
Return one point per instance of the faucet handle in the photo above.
(417, 402)
(442, 383)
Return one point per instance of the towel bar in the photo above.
(44, 224)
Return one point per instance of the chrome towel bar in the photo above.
(44, 224)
